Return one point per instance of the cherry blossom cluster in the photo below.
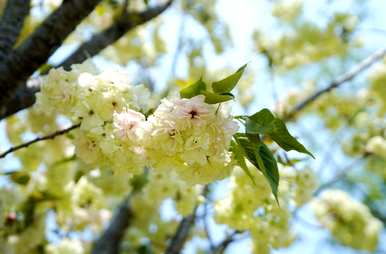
(187, 136)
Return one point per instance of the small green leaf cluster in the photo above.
(263, 124)
(220, 91)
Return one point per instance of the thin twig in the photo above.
(176, 56)
(275, 94)
(329, 153)
(38, 139)
(348, 76)
(342, 174)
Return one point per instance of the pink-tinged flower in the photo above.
(127, 123)
(231, 127)
(194, 108)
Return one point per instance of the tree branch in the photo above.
(378, 213)
(348, 76)
(35, 50)
(223, 245)
(38, 139)
(109, 241)
(181, 235)
(25, 96)
(11, 24)
(342, 174)
(126, 22)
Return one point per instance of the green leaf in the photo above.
(20, 177)
(221, 89)
(285, 140)
(239, 155)
(195, 89)
(268, 166)
(213, 98)
(248, 147)
(260, 122)
(261, 157)
(227, 84)
(264, 122)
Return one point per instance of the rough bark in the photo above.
(36, 49)
(25, 95)
(11, 23)
(121, 26)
